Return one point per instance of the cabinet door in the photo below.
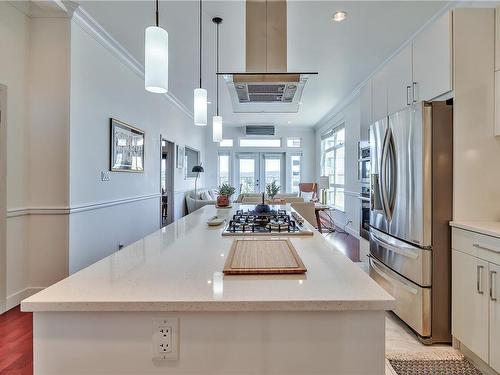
(379, 95)
(497, 102)
(470, 302)
(366, 109)
(494, 279)
(432, 60)
(399, 81)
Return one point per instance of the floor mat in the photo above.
(431, 364)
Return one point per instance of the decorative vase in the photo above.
(222, 201)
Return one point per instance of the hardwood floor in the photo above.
(16, 343)
(346, 243)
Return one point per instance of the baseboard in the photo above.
(15, 299)
(478, 362)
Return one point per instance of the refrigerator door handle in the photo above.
(398, 280)
(383, 176)
(409, 252)
(393, 181)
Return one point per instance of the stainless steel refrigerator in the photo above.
(410, 210)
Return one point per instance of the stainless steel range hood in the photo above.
(266, 86)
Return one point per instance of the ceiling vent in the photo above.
(259, 130)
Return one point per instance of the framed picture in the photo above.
(127, 148)
(180, 157)
(192, 158)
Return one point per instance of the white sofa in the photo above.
(193, 203)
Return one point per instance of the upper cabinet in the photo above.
(421, 71)
(432, 60)
(399, 80)
(366, 110)
(379, 94)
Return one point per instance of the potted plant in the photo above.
(272, 189)
(224, 192)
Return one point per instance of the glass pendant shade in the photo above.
(217, 128)
(156, 60)
(200, 107)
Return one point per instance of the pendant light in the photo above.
(217, 120)
(200, 94)
(156, 57)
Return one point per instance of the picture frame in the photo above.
(179, 157)
(192, 157)
(126, 147)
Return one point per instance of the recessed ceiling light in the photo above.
(339, 16)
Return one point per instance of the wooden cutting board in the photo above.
(255, 257)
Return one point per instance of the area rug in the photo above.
(429, 363)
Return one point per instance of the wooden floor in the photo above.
(16, 343)
(345, 243)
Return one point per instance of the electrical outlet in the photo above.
(166, 339)
(105, 176)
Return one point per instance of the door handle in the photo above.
(479, 274)
(408, 99)
(415, 96)
(493, 288)
(383, 175)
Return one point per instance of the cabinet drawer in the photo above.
(476, 244)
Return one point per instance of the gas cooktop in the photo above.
(275, 222)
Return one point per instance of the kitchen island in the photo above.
(162, 306)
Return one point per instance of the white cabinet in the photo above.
(432, 60)
(475, 294)
(379, 94)
(366, 109)
(470, 302)
(399, 80)
(494, 282)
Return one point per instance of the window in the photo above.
(262, 142)
(272, 169)
(226, 143)
(247, 174)
(295, 173)
(223, 168)
(332, 164)
(293, 142)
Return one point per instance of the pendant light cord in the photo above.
(217, 73)
(157, 14)
(201, 38)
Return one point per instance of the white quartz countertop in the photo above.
(489, 228)
(178, 268)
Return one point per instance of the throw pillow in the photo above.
(205, 196)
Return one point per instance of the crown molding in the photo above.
(327, 119)
(83, 19)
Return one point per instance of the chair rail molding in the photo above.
(22, 211)
(83, 19)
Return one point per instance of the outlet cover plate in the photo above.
(158, 338)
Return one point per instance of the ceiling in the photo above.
(343, 53)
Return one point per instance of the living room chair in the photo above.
(308, 191)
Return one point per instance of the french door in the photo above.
(257, 169)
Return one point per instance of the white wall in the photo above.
(102, 86)
(351, 117)
(34, 70)
(307, 148)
